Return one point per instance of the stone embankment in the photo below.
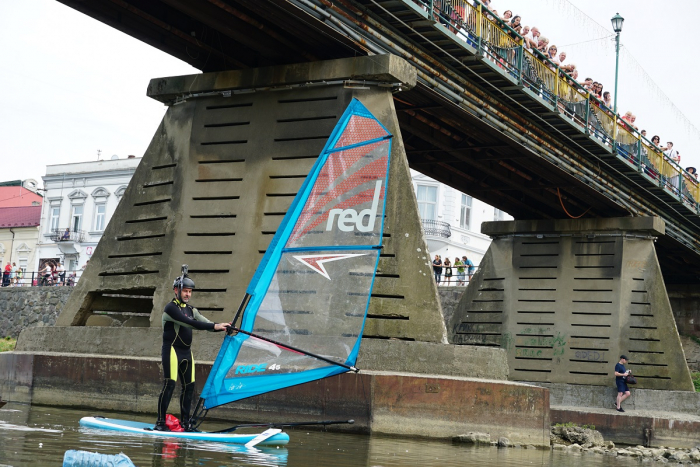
(24, 307)
(578, 440)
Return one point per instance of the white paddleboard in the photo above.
(266, 438)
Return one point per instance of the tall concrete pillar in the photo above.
(218, 177)
(566, 298)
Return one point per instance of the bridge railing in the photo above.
(497, 42)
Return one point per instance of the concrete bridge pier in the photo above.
(218, 177)
(565, 298)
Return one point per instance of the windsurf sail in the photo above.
(308, 299)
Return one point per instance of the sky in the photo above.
(72, 86)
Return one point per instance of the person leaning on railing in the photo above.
(516, 26)
(532, 39)
(671, 153)
(568, 68)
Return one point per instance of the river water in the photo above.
(39, 436)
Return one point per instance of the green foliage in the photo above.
(696, 380)
(695, 339)
(7, 344)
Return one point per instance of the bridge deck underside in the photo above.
(443, 139)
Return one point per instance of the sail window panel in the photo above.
(302, 308)
(346, 203)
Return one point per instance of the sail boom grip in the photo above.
(295, 349)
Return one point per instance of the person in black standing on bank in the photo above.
(623, 392)
(179, 318)
(437, 268)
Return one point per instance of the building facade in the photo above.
(19, 233)
(19, 193)
(452, 219)
(79, 201)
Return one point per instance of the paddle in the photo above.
(269, 433)
(259, 425)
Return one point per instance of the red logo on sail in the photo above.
(316, 262)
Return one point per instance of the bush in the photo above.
(7, 344)
(696, 380)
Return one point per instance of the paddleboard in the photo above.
(128, 426)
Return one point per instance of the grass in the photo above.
(7, 344)
(696, 380)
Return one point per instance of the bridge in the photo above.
(487, 117)
(564, 289)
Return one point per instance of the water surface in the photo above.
(38, 436)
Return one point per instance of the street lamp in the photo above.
(617, 21)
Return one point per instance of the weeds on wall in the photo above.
(7, 344)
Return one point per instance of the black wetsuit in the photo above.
(178, 321)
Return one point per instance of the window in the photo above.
(498, 215)
(77, 220)
(465, 213)
(23, 265)
(427, 201)
(100, 217)
(53, 224)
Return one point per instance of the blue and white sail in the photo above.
(312, 289)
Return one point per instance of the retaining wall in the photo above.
(399, 404)
(23, 307)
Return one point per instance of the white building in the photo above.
(79, 200)
(452, 220)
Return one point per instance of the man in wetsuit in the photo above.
(179, 318)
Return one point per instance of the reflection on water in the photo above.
(39, 436)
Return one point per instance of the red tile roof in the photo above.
(13, 196)
(23, 216)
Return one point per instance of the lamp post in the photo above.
(617, 21)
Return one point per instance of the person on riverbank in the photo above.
(461, 272)
(179, 318)
(623, 392)
(437, 269)
(448, 270)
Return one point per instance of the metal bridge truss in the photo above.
(486, 117)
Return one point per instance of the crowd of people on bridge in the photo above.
(545, 50)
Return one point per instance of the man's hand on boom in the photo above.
(221, 326)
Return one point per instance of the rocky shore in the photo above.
(579, 440)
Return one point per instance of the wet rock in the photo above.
(137, 322)
(573, 434)
(624, 452)
(478, 439)
(102, 320)
(529, 446)
(574, 448)
(503, 442)
(558, 447)
(679, 456)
